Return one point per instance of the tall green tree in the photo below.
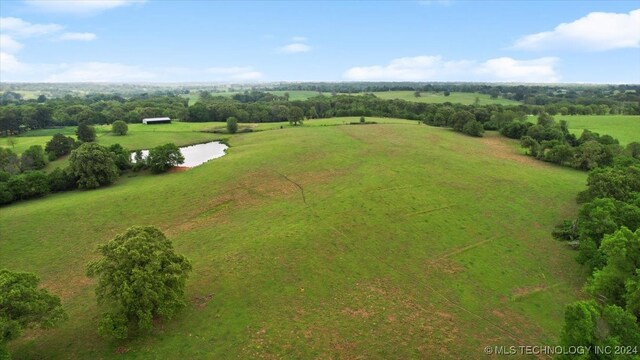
(473, 128)
(93, 165)
(121, 157)
(23, 305)
(34, 158)
(140, 278)
(232, 125)
(59, 145)
(9, 161)
(588, 324)
(622, 253)
(86, 132)
(119, 127)
(295, 115)
(592, 154)
(164, 157)
(461, 118)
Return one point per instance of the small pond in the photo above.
(195, 155)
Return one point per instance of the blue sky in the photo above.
(207, 41)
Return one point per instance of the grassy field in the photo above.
(293, 95)
(407, 241)
(142, 136)
(437, 98)
(625, 128)
(426, 97)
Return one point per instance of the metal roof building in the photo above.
(160, 120)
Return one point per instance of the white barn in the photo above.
(159, 120)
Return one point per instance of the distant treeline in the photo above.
(617, 97)
(17, 117)
(258, 106)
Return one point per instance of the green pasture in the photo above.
(141, 136)
(293, 95)
(625, 128)
(394, 240)
(438, 97)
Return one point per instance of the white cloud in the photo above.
(435, 68)
(295, 48)
(14, 70)
(409, 69)
(100, 72)
(9, 45)
(235, 72)
(79, 7)
(598, 31)
(299, 39)
(9, 64)
(512, 70)
(77, 36)
(21, 28)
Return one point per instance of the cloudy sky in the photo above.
(182, 41)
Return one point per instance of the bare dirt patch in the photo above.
(362, 313)
(529, 290)
(177, 169)
(201, 301)
(500, 148)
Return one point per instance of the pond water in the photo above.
(195, 155)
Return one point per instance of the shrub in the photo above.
(473, 128)
(28, 185)
(59, 145)
(119, 127)
(62, 180)
(34, 158)
(232, 125)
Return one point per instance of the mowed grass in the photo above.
(407, 241)
(438, 97)
(625, 128)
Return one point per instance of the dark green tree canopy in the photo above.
(473, 128)
(622, 253)
(23, 305)
(94, 166)
(34, 158)
(140, 277)
(588, 324)
(164, 157)
(460, 118)
(232, 125)
(86, 132)
(119, 127)
(295, 115)
(60, 145)
(121, 157)
(9, 161)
